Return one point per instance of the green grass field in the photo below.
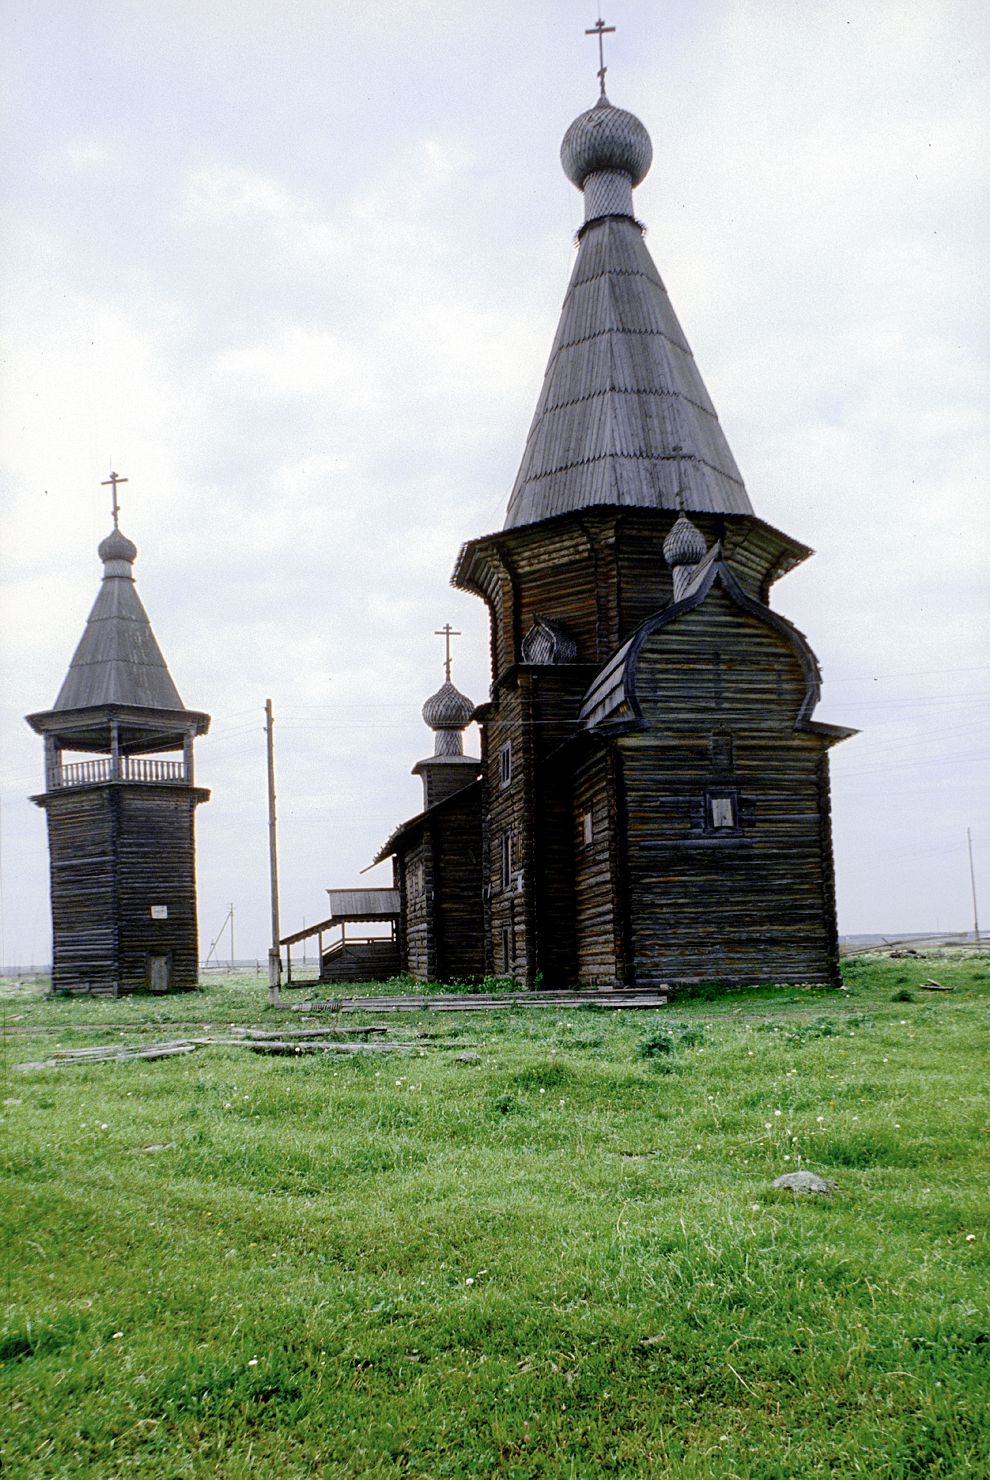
(562, 1260)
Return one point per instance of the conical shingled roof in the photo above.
(118, 660)
(623, 405)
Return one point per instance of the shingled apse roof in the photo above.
(118, 660)
(623, 417)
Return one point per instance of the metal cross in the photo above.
(112, 482)
(600, 30)
(447, 632)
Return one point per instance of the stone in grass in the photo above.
(467, 1058)
(805, 1182)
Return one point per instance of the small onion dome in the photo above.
(685, 545)
(448, 709)
(606, 138)
(117, 546)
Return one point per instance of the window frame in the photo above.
(505, 766)
(722, 794)
(508, 949)
(505, 852)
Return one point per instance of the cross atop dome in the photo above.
(446, 632)
(600, 30)
(112, 482)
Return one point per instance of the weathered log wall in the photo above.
(459, 913)
(660, 895)
(418, 947)
(116, 853)
(748, 902)
(438, 868)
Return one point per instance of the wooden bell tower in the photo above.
(120, 799)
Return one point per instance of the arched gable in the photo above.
(615, 701)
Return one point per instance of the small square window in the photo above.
(722, 811)
(588, 827)
(505, 765)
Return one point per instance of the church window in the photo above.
(507, 949)
(723, 811)
(505, 765)
(506, 848)
(588, 827)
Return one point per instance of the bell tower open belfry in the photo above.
(121, 835)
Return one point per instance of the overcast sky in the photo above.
(294, 271)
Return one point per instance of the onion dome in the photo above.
(448, 709)
(117, 546)
(685, 545)
(605, 139)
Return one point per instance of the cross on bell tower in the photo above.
(600, 30)
(112, 482)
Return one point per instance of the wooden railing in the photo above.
(128, 768)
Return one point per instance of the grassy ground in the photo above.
(563, 1259)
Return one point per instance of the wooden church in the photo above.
(651, 803)
(121, 836)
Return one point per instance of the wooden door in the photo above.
(158, 973)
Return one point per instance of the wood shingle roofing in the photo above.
(623, 417)
(118, 660)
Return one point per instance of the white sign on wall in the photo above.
(159, 911)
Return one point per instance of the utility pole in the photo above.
(274, 951)
(231, 937)
(972, 884)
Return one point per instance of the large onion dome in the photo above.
(606, 138)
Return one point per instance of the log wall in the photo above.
(596, 904)
(418, 948)
(752, 902)
(116, 851)
(659, 896)
(438, 867)
(459, 909)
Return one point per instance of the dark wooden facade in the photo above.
(602, 862)
(123, 891)
(436, 864)
(654, 798)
